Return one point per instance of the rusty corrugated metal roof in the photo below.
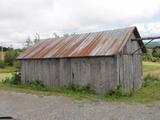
(103, 43)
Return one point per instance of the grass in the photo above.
(4, 75)
(49, 91)
(150, 91)
(8, 70)
(151, 68)
(147, 94)
(2, 58)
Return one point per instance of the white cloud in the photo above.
(149, 29)
(22, 18)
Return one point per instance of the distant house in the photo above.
(102, 60)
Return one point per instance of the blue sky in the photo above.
(22, 18)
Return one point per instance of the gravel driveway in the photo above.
(32, 107)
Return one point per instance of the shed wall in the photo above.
(130, 65)
(130, 71)
(101, 73)
(98, 72)
(132, 46)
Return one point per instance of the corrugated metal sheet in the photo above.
(104, 43)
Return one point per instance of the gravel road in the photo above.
(32, 107)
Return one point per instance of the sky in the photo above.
(20, 19)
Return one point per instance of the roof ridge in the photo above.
(107, 30)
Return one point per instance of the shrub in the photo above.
(35, 83)
(149, 80)
(156, 52)
(15, 79)
(2, 64)
(77, 88)
(9, 57)
(118, 92)
(16, 64)
(148, 57)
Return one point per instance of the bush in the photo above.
(35, 83)
(156, 52)
(16, 64)
(148, 57)
(77, 88)
(118, 92)
(10, 56)
(2, 64)
(15, 79)
(149, 80)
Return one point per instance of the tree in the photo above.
(28, 42)
(10, 57)
(55, 35)
(156, 52)
(73, 33)
(37, 38)
(65, 35)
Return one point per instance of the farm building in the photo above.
(102, 60)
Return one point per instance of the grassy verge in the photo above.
(147, 94)
(49, 91)
(150, 91)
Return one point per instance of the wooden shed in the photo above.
(102, 60)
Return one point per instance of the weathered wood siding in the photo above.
(98, 72)
(130, 66)
(132, 46)
(130, 71)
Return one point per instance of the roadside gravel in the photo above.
(32, 107)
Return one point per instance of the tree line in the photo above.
(153, 54)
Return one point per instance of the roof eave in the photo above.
(144, 50)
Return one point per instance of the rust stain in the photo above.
(30, 50)
(67, 52)
(90, 46)
(37, 50)
(45, 51)
(62, 47)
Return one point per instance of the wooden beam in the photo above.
(142, 46)
(146, 38)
